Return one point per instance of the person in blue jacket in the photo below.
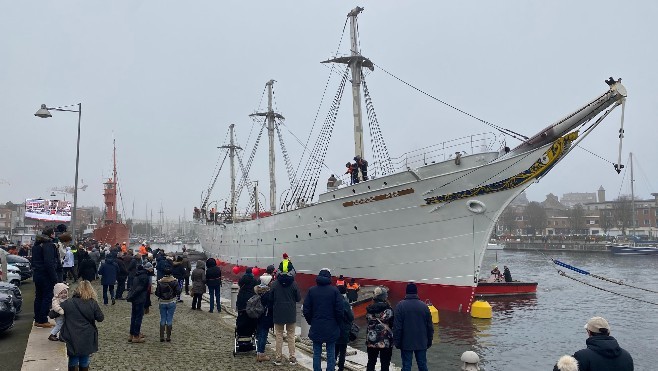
(323, 310)
(109, 271)
(412, 329)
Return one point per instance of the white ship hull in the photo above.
(387, 230)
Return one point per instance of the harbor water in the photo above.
(532, 332)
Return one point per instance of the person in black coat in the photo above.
(109, 271)
(323, 310)
(412, 329)
(178, 271)
(603, 352)
(122, 275)
(345, 327)
(138, 296)
(132, 269)
(44, 266)
(87, 269)
(214, 283)
(246, 283)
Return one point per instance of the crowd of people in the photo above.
(263, 303)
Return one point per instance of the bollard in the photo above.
(304, 326)
(234, 295)
(470, 361)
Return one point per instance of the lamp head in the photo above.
(53, 194)
(43, 112)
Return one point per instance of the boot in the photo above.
(168, 332)
(73, 368)
(137, 339)
(84, 368)
(162, 332)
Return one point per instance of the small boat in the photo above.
(495, 246)
(633, 250)
(505, 288)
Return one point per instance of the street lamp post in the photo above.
(44, 112)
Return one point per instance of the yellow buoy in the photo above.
(481, 309)
(434, 312)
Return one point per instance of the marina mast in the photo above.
(232, 147)
(632, 197)
(271, 126)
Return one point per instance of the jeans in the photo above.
(421, 359)
(59, 322)
(384, 355)
(136, 316)
(213, 292)
(167, 313)
(341, 349)
(121, 286)
(82, 361)
(290, 331)
(196, 301)
(317, 356)
(261, 338)
(43, 297)
(105, 288)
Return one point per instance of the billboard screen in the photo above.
(48, 210)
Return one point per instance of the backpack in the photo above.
(164, 291)
(254, 307)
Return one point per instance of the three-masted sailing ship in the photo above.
(425, 221)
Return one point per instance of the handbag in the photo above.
(354, 332)
(52, 314)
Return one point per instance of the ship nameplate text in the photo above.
(381, 197)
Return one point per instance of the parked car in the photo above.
(13, 290)
(7, 312)
(23, 264)
(13, 274)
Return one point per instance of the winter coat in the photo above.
(123, 271)
(379, 315)
(178, 271)
(69, 259)
(412, 328)
(173, 285)
(95, 256)
(187, 265)
(45, 259)
(109, 270)
(267, 319)
(87, 270)
(603, 353)
(56, 303)
(323, 310)
(246, 284)
(79, 330)
(139, 290)
(132, 266)
(285, 295)
(213, 274)
(162, 264)
(345, 322)
(199, 278)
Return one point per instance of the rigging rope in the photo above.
(210, 188)
(511, 133)
(284, 151)
(380, 151)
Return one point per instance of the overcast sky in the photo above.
(166, 78)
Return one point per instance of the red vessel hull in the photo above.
(112, 234)
(443, 297)
(505, 288)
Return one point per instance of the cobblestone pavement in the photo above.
(199, 341)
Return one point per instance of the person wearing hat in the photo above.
(167, 290)
(286, 265)
(138, 296)
(285, 296)
(603, 352)
(266, 321)
(379, 340)
(323, 310)
(413, 329)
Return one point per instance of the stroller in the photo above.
(245, 334)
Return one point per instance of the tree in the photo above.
(623, 213)
(507, 219)
(607, 221)
(535, 217)
(576, 219)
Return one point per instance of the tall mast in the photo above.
(632, 197)
(232, 147)
(356, 62)
(271, 126)
(355, 66)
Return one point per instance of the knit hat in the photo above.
(166, 271)
(265, 279)
(285, 255)
(411, 288)
(380, 293)
(595, 324)
(325, 272)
